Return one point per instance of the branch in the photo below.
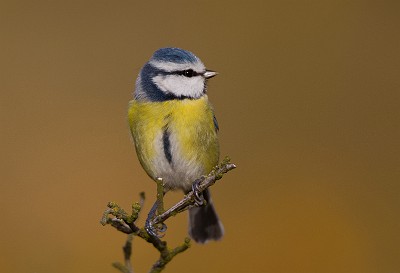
(125, 223)
(127, 249)
(167, 255)
(189, 199)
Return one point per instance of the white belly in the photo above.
(180, 172)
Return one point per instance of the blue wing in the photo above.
(216, 124)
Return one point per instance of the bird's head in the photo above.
(172, 73)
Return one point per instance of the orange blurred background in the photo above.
(308, 106)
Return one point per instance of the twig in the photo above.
(160, 196)
(127, 249)
(188, 200)
(167, 255)
(126, 223)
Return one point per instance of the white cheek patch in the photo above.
(180, 85)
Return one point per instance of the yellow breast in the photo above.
(192, 139)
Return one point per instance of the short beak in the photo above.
(209, 74)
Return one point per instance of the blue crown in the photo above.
(175, 55)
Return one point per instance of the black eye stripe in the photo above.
(187, 73)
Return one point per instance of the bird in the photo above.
(174, 131)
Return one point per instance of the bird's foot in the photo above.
(198, 196)
(157, 230)
(154, 230)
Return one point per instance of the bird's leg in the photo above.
(157, 208)
(154, 230)
(198, 196)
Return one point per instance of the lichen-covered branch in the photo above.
(127, 267)
(117, 217)
(189, 200)
(167, 255)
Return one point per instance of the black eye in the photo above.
(189, 73)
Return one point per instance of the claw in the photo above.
(150, 229)
(162, 228)
(155, 230)
(198, 196)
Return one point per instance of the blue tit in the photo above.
(175, 131)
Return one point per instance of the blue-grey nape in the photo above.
(175, 55)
